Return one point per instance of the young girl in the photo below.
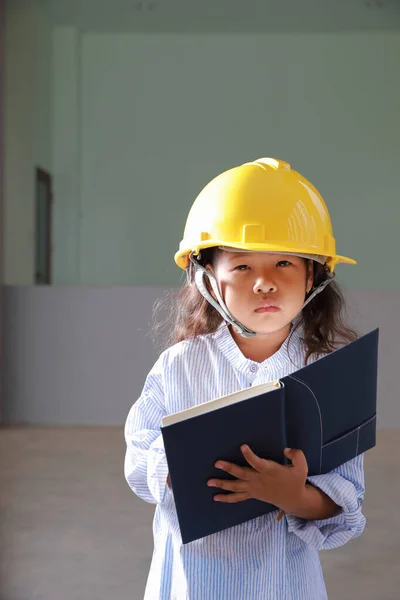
(259, 303)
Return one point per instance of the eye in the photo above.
(283, 263)
(241, 268)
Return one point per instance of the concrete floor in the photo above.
(71, 529)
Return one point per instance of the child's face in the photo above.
(263, 291)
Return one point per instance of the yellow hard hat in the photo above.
(261, 206)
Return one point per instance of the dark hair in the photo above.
(322, 320)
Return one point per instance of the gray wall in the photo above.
(75, 355)
(80, 355)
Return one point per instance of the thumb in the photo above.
(297, 457)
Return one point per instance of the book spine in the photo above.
(284, 421)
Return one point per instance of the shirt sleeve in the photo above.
(345, 486)
(146, 468)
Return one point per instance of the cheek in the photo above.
(227, 288)
(223, 286)
(295, 289)
(232, 290)
(226, 280)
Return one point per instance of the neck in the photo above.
(260, 347)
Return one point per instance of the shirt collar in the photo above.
(231, 351)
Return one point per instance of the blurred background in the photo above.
(113, 115)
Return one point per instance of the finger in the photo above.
(228, 484)
(232, 469)
(298, 459)
(257, 463)
(231, 498)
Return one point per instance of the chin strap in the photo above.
(201, 273)
(314, 291)
(220, 306)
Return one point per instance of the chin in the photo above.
(267, 328)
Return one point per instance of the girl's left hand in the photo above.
(266, 480)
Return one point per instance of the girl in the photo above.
(259, 302)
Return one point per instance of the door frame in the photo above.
(44, 177)
(2, 151)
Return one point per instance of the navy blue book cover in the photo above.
(327, 409)
(331, 405)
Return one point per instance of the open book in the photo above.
(218, 403)
(327, 409)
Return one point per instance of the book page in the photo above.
(218, 403)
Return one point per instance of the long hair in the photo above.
(186, 314)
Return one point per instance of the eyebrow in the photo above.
(237, 255)
(234, 255)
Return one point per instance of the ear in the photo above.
(209, 267)
(310, 275)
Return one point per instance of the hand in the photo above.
(169, 481)
(266, 480)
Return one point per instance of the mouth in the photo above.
(267, 308)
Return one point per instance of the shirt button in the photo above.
(254, 368)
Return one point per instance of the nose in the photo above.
(264, 285)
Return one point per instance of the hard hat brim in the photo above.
(182, 256)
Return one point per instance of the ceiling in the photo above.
(241, 16)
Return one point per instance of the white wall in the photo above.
(27, 129)
(139, 123)
(66, 141)
(156, 116)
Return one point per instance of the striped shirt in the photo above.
(263, 558)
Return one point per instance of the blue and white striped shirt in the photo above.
(263, 558)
